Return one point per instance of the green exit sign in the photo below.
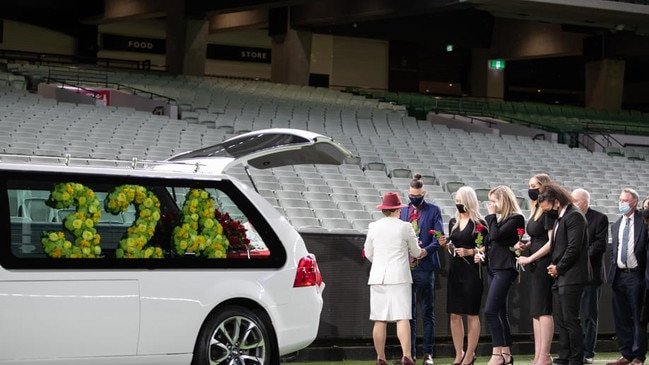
(497, 64)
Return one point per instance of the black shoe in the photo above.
(428, 359)
(501, 357)
(472, 361)
(511, 359)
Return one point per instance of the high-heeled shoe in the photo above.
(472, 360)
(511, 359)
(407, 361)
(461, 360)
(502, 358)
(381, 362)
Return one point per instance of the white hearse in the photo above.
(171, 262)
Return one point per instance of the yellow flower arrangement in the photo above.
(134, 243)
(81, 223)
(199, 232)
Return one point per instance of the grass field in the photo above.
(600, 359)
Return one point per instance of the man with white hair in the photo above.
(627, 278)
(597, 240)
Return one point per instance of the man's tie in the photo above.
(625, 241)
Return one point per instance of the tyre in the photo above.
(234, 336)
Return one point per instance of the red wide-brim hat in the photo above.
(391, 201)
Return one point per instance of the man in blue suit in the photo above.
(425, 218)
(627, 277)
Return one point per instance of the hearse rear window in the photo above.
(79, 221)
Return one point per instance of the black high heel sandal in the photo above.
(461, 360)
(501, 356)
(511, 358)
(472, 360)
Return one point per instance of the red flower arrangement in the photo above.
(234, 231)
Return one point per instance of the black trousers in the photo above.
(566, 301)
(630, 327)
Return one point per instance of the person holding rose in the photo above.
(503, 221)
(464, 290)
(426, 219)
(388, 243)
(539, 228)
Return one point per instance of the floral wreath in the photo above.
(134, 242)
(198, 213)
(234, 231)
(81, 223)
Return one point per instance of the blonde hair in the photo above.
(543, 179)
(506, 200)
(471, 205)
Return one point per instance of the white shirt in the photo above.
(631, 261)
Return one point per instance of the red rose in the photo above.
(479, 228)
(413, 216)
(432, 231)
(521, 231)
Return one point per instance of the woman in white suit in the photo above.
(388, 243)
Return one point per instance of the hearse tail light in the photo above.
(307, 273)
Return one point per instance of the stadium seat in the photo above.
(340, 225)
(37, 211)
(401, 172)
(307, 224)
(292, 212)
(452, 186)
(352, 215)
(322, 204)
(345, 206)
(361, 225)
(374, 166)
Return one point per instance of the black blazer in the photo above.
(570, 248)
(502, 236)
(640, 242)
(597, 242)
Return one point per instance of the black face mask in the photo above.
(460, 208)
(533, 193)
(416, 201)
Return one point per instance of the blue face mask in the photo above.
(624, 208)
(416, 201)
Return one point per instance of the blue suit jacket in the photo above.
(430, 217)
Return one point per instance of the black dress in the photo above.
(541, 285)
(464, 289)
